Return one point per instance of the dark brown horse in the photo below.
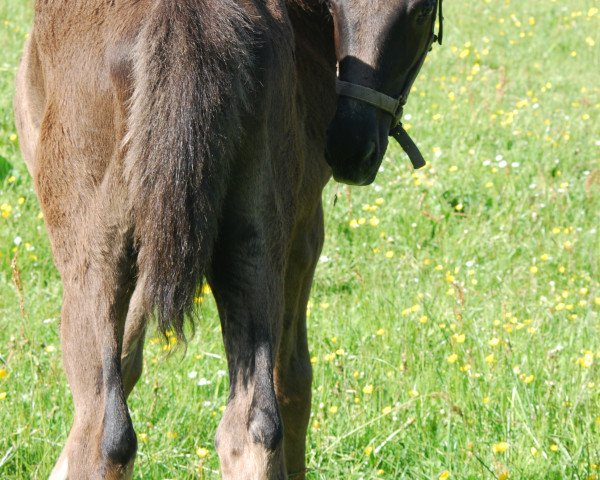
(171, 141)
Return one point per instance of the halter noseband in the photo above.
(395, 106)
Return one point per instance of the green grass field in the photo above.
(455, 316)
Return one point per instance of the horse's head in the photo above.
(380, 45)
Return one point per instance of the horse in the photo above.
(171, 142)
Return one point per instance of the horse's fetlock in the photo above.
(266, 427)
(120, 447)
(119, 443)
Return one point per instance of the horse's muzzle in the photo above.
(356, 143)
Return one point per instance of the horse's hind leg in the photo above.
(293, 371)
(92, 252)
(102, 441)
(249, 296)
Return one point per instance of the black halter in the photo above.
(395, 106)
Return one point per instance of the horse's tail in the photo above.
(190, 65)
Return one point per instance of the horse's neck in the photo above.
(316, 69)
(315, 50)
(313, 29)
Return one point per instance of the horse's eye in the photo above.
(425, 12)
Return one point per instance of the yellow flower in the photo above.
(413, 393)
(368, 389)
(386, 410)
(554, 447)
(486, 400)
(423, 319)
(444, 475)
(493, 342)
(3, 395)
(143, 437)
(50, 349)
(172, 435)
(533, 269)
(316, 425)
(379, 201)
(490, 359)
(534, 451)
(459, 338)
(368, 450)
(333, 409)
(503, 475)
(500, 447)
(452, 358)
(544, 257)
(202, 452)
(6, 209)
(380, 332)
(374, 221)
(587, 360)
(528, 379)
(329, 357)
(389, 254)
(3, 373)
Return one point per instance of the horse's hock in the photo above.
(171, 142)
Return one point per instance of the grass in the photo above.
(455, 315)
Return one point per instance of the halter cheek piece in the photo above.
(395, 106)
